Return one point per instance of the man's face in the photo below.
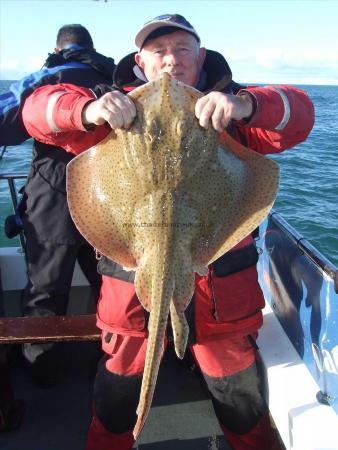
(177, 53)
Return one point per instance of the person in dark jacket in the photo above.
(227, 303)
(53, 244)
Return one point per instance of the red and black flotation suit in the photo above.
(227, 300)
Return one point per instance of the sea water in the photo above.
(308, 194)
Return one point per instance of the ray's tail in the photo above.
(162, 287)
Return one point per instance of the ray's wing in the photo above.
(97, 192)
(244, 190)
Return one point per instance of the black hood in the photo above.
(99, 62)
(218, 73)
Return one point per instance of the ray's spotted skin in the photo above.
(166, 198)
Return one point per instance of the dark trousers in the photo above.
(50, 268)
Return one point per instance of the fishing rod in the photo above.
(3, 151)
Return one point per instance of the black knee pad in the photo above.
(239, 399)
(116, 399)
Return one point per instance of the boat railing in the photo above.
(11, 179)
(306, 248)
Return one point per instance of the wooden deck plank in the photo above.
(19, 330)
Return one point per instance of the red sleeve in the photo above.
(284, 117)
(52, 115)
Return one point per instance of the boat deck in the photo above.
(57, 418)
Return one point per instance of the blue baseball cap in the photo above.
(164, 21)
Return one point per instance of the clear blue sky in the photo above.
(286, 41)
